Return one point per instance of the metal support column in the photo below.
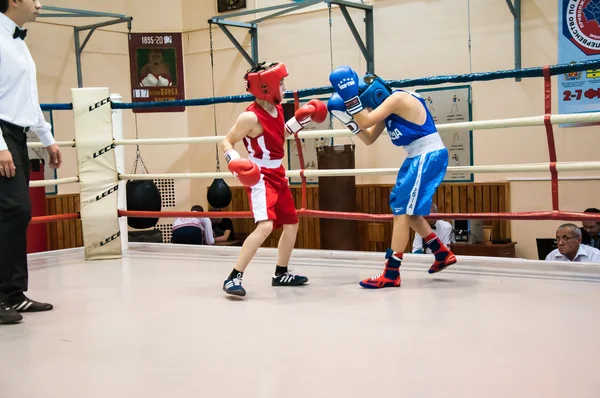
(72, 13)
(80, 47)
(367, 50)
(254, 37)
(78, 50)
(223, 24)
(515, 10)
(370, 33)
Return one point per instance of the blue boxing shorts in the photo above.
(419, 177)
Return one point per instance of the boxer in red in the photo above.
(263, 129)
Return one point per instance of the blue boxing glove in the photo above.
(345, 82)
(337, 108)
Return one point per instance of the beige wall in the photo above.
(413, 39)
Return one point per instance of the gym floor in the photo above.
(156, 324)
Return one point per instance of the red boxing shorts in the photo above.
(271, 198)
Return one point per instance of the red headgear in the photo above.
(264, 83)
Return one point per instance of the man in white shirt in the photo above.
(193, 230)
(19, 112)
(442, 228)
(568, 239)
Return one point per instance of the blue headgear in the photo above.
(373, 90)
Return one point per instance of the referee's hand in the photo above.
(55, 156)
(7, 167)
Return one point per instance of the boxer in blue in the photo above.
(367, 106)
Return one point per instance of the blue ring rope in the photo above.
(311, 92)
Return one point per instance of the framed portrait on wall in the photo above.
(156, 69)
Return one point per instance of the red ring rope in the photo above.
(300, 153)
(536, 215)
(56, 217)
(550, 135)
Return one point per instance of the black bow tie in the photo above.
(20, 33)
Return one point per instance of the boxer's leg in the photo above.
(262, 197)
(285, 211)
(432, 174)
(400, 203)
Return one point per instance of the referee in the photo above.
(19, 112)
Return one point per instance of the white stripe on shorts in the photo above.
(414, 192)
(259, 201)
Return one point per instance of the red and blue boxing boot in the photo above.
(390, 276)
(443, 256)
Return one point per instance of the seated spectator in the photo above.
(222, 228)
(442, 229)
(590, 232)
(193, 230)
(568, 239)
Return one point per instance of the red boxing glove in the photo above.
(247, 172)
(314, 110)
(320, 113)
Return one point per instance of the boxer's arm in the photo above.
(371, 134)
(243, 126)
(247, 172)
(400, 103)
(366, 119)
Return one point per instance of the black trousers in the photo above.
(188, 236)
(15, 214)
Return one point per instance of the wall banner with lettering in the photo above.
(452, 105)
(578, 41)
(156, 67)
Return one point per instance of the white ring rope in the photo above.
(171, 141)
(478, 125)
(59, 143)
(511, 168)
(59, 181)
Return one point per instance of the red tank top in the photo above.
(268, 145)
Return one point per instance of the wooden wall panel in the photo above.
(370, 198)
(373, 199)
(65, 234)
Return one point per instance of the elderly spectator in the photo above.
(193, 230)
(590, 232)
(568, 239)
(443, 230)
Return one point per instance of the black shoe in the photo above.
(287, 279)
(8, 315)
(24, 304)
(234, 286)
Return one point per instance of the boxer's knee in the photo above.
(263, 229)
(291, 228)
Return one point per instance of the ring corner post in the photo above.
(98, 176)
(117, 124)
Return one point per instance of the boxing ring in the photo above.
(152, 321)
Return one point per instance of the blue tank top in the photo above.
(402, 132)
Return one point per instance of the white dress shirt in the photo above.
(19, 103)
(198, 222)
(585, 254)
(443, 230)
